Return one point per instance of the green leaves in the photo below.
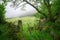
(2, 13)
(2, 8)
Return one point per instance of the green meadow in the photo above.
(27, 22)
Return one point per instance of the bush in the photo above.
(2, 13)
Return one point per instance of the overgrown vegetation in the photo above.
(2, 13)
(46, 25)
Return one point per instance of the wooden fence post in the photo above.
(20, 25)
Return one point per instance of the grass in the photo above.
(34, 35)
(3, 33)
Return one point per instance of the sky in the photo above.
(12, 12)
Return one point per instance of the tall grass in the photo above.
(29, 33)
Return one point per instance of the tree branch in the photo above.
(48, 5)
(36, 9)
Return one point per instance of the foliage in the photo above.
(39, 16)
(50, 10)
(2, 13)
(4, 32)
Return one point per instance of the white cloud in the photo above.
(11, 12)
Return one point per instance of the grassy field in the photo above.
(32, 22)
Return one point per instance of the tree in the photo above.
(50, 9)
(2, 13)
(45, 8)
